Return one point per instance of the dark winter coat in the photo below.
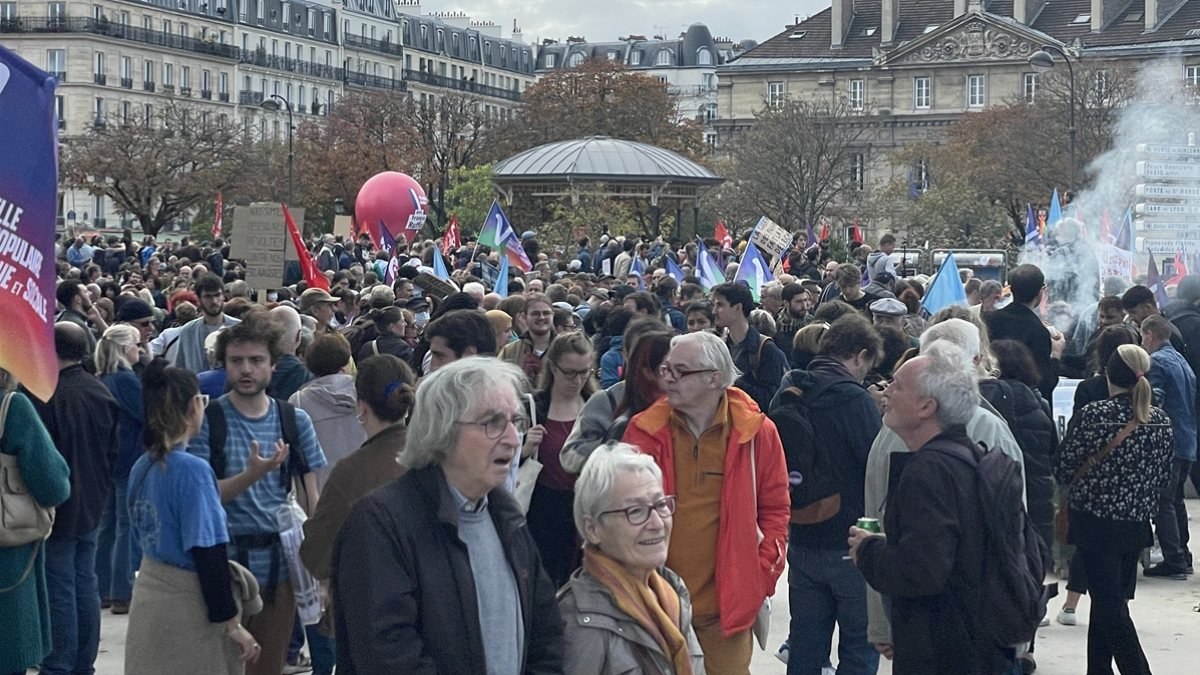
(1018, 322)
(1031, 421)
(405, 592)
(931, 565)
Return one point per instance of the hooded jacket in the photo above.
(752, 540)
(333, 405)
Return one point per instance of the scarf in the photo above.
(654, 606)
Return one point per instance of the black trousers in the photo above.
(552, 523)
(1111, 578)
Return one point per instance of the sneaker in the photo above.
(829, 670)
(1044, 622)
(782, 653)
(301, 664)
(1156, 555)
(105, 603)
(1165, 571)
(1066, 617)
(120, 607)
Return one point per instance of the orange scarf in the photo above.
(654, 606)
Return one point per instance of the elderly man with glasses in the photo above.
(437, 572)
(722, 459)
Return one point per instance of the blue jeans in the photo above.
(74, 604)
(115, 552)
(322, 650)
(824, 590)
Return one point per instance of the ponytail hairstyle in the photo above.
(168, 393)
(386, 384)
(1127, 369)
(385, 317)
(110, 350)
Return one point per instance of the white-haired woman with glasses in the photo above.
(624, 611)
(437, 571)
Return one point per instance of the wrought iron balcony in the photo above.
(247, 97)
(464, 85)
(99, 78)
(374, 81)
(206, 94)
(371, 44)
(127, 82)
(264, 60)
(119, 31)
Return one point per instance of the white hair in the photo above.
(289, 320)
(713, 354)
(474, 289)
(960, 333)
(599, 475)
(949, 379)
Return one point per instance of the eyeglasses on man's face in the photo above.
(640, 513)
(494, 426)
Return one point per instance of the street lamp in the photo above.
(271, 103)
(1043, 61)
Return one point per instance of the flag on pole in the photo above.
(439, 266)
(387, 243)
(1033, 235)
(1055, 213)
(946, 288)
(706, 267)
(754, 271)
(501, 287)
(452, 238)
(639, 268)
(673, 270)
(218, 217)
(856, 232)
(721, 234)
(1155, 284)
(1180, 269)
(497, 234)
(1124, 238)
(313, 276)
(824, 230)
(810, 239)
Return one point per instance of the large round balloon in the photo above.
(393, 200)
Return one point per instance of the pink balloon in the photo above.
(393, 200)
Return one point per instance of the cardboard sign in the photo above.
(260, 238)
(341, 227)
(770, 237)
(434, 286)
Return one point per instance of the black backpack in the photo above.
(1015, 556)
(296, 464)
(815, 485)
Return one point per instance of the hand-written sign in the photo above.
(260, 238)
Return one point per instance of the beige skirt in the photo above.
(169, 630)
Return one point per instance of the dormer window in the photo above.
(551, 60)
(796, 35)
(575, 60)
(1082, 18)
(870, 31)
(703, 57)
(663, 58)
(635, 58)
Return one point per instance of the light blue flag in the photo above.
(754, 271)
(439, 266)
(946, 288)
(1055, 213)
(501, 287)
(706, 267)
(673, 271)
(639, 268)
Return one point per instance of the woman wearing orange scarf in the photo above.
(624, 611)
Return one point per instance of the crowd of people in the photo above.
(590, 470)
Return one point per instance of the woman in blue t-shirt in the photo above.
(184, 617)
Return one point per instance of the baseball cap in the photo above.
(313, 297)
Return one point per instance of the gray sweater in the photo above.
(495, 589)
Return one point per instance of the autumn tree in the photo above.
(601, 98)
(157, 170)
(452, 132)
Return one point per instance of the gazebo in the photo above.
(626, 169)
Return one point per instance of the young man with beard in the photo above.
(255, 468)
(528, 350)
(761, 363)
(185, 347)
(797, 303)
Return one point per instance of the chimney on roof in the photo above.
(1157, 11)
(889, 19)
(842, 15)
(1104, 11)
(1026, 11)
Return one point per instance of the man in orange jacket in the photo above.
(722, 458)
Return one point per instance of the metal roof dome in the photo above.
(600, 158)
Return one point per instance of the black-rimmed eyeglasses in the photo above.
(495, 426)
(639, 514)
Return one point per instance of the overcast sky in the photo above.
(605, 20)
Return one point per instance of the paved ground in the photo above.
(1165, 613)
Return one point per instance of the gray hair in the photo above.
(949, 378)
(599, 475)
(110, 355)
(446, 396)
(966, 336)
(713, 354)
(989, 288)
(289, 321)
(763, 322)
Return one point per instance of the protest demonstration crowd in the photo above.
(455, 457)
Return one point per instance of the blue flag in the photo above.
(706, 267)
(1154, 283)
(810, 237)
(1055, 213)
(673, 270)
(1124, 238)
(754, 271)
(387, 243)
(1033, 236)
(501, 287)
(439, 266)
(946, 288)
(639, 268)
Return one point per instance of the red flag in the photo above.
(218, 217)
(452, 239)
(313, 276)
(856, 232)
(354, 227)
(1181, 270)
(824, 230)
(721, 234)
(1106, 235)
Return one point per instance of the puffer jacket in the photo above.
(603, 640)
(1031, 421)
(332, 404)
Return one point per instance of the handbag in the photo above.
(762, 621)
(527, 475)
(22, 519)
(1062, 518)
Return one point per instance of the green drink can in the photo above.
(869, 524)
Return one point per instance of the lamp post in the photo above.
(1043, 61)
(272, 103)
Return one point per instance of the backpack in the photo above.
(815, 485)
(1015, 555)
(296, 464)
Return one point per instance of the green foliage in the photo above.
(470, 196)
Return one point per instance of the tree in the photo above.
(157, 170)
(794, 163)
(601, 98)
(452, 132)
(470, 195)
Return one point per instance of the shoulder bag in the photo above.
(1062, 518)
(22, 519)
